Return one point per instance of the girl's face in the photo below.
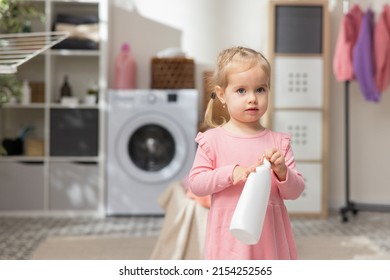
(246, 95)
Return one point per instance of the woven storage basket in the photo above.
(37, 92)
(172, 73)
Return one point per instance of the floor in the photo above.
(19, 236)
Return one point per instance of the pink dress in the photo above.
(218, 153)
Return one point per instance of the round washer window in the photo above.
(151, 147)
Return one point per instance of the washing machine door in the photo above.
(152, 148)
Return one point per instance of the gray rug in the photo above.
(140, 248)
(94, 248)
(339, 248)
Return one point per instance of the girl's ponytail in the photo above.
(210, 120)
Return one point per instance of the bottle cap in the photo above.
(266, 164)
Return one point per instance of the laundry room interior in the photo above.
(95, 154)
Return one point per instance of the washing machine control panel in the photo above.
(133, 99)
(171, 97)
(152, 98)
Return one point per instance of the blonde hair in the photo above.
(247, 58)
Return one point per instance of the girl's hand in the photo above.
(278, 164)
(241, 173)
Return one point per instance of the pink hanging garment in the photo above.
(348, 34)
(382, 49)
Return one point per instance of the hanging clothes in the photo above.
(346, 40)
(363, 59)
(382, 49)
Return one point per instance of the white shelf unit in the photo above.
(62, 180)
(299, 56)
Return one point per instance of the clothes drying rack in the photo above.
(18, 48)
(351, 206)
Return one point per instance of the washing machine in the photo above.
(150, 138)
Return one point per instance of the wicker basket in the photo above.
(172, 73)
(37, 92)
(34, 147)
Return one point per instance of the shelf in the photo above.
(298, 55)
(68, 159)
(18, 48)
(21, 158)
(78, 106)
(52, 106)
(75, 1)
(300, 94)
(74, 52)
(22, 106)
(33, 159)
(74, 159)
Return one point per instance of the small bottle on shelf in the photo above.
(66, 90)
(26, 93)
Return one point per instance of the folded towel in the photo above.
(82, 31)
(65, 18)
(76, 44)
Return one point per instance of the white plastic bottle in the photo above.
(125, 69)
(26, 93)
(248, 217)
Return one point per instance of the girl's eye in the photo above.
(261, 89)
(241, 91)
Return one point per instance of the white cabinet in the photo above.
(299, 82)
(65, 139)
(299, 56)
(305, 128)
(310, 200)
(74, 186)
(22, 185)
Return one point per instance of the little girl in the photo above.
(228, 153)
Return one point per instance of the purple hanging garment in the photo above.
(363, 59)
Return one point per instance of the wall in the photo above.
(369, 134)
(202, 28)
(199, 27)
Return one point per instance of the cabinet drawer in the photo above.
(73, 186)
(311, 199)
(22, 186)
(74, 132)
